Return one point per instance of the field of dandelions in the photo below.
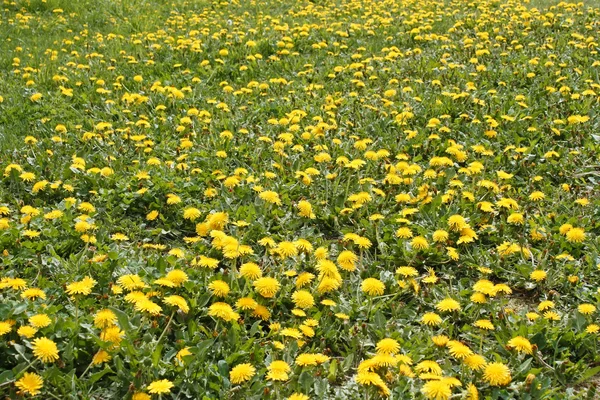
(295, 199)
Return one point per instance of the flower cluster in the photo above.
(299, 199)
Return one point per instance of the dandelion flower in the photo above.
(104, 319)
(537, 196)
(45, 349)
(191, 213)
(497, 374)
(298, 396)
(538, 275)
(30, 383)
(267, 287)
(241, 373)
(177, 276)
(131, 282)
(407, 272)
(270, 197)
(431, 319)
(303, 299)
(181, 354)
(83, 286)
(472, 393)
(458, 349)
(152, 215)
(429, 366)
(404, 233)
(148, 306)
(112, 334)
(119, 237)
(306, 359)
(100, 357)
(586, 309)
(246, 303)
(177, 301)
(26, 331)
(305, 209)
(448, 304)
(347, 260)
(373, 287)
(485, 324)
(5, 327)
(436, 390)
(223, 311)
(33, 293)
(520, 344)
(160, 387)
(219, 288)
(440, 340)
(388, 346)
(592, 328)
(475, 362)
(575, 235)
(286, 249)
(40, 320)
(419, 243)
(440, 236)
(278, 371)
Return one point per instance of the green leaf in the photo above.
(524, 367)
(156, 354)
(255, 328)
(6, 376)
(332, 371)
(19, 309)
(321, 387)
(588, 374)
(306, 381)
(347, 363)
(98, 375)
(123, 319)
(379, 320)
(223, 368)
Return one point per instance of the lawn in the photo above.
(293, 199)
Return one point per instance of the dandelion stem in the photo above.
(369, 308)
(87, 368)
(165, 330)
(17, 376)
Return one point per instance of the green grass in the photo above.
(189, 145)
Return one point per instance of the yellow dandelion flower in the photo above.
(27, 331)
(40, 320)
(497, 374)
(219, 288)
(373, 287)
(241, 373)
(177, 301)
(448, 304)
(160, 387)
(303, 299)
(100, 357)
(45, 349)
(104, 319)
(267, 287)
(431, 319)
(270, 197)
(436, 390)
(30, 383)
(388, 346)
(586, 309)
(520, 344)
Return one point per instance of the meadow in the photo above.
(294, 199)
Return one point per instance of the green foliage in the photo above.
(261, 199)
